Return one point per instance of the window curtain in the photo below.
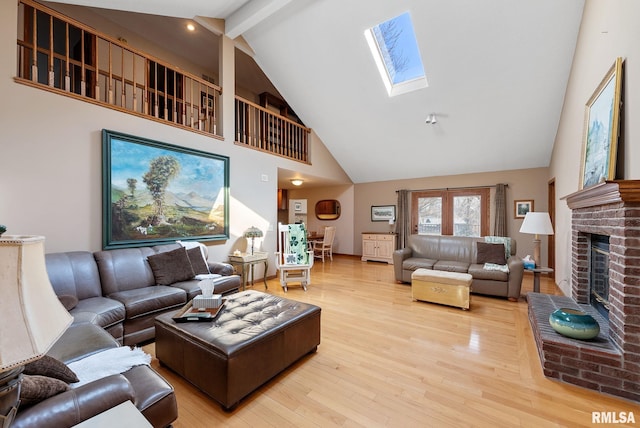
(403, 219)
(500, 226)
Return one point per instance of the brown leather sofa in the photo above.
(459, 254)
(152, 395)
(116, 289)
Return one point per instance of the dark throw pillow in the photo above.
(34, 389)
(171, 266)
(68, 301)
(50, 367)
(491, 253)
(197, 261)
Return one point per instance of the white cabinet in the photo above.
(378, 247)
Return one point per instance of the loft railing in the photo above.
(261, 129)
(64, 56)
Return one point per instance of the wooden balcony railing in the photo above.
(64, 56)
(261, 129)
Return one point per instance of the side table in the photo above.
(246, 262)
(536, 276)
(124, 415)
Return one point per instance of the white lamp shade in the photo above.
(537, 223)
(32, 316)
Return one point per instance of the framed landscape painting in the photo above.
(521, 208)
(602, 124)
(156, 193)
(383, 212)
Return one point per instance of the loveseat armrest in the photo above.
(221, 268)
(398, 257)
(516, 272)
(76, 405)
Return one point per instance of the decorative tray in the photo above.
(190, 314)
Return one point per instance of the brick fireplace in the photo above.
(609, 363)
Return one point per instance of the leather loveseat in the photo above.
(117, 289)
(460, 254)
(153, 396)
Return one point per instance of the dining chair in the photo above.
(320, 248)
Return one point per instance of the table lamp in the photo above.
(253, 233)
(32, 316)
(537, 223)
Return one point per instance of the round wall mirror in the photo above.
(328, 209)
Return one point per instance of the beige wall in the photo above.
(609, 29)
(523, 184)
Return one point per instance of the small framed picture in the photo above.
(521, 208)
(297, 207)
(383, 212)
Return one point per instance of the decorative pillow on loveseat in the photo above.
(198, 263)
(171, 266)
(50, 367)
(490, 253)
(35, 388)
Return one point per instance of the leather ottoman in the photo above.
(254, 337)
(446, 288)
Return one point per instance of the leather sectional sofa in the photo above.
(459, 254)
(114, 299)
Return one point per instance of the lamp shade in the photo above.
(32, 316)
(537, 223)
(253, 232)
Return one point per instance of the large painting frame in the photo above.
(601, 129)
(155, 193)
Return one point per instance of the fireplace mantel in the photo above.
(605, 193)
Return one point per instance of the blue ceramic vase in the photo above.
(574, 323)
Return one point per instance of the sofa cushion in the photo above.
(69, 301)
(198, 263)
(124, 269)
(413, 263)
(107, 312)
(50, 367)
(478, 272)
(491, 253)
(451, 266)
(171, 266)
(144, 301)
(35, 388)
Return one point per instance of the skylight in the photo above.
(394, 48)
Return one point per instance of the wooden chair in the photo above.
(293, 259)
(326, 245)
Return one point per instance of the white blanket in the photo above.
(493, 266)
(106, 363)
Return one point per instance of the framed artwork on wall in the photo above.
(602, 124)
(383, 212)
(521, 208)
(156, 193)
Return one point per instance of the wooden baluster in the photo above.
(123, 97)
(52, 76)
(67, 76)
(34, 51)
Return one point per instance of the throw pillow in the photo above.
(198, 263)
(50, 367)
(68, 301)
(34, 389)
(491, 253)
(171, 266)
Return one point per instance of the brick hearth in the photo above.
(611, 362)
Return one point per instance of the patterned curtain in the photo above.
(500, 226)
(403, 219)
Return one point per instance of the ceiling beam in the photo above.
(250, 15)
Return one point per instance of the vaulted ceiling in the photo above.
(497, 73)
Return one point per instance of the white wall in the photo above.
(50, 172)
(609, 29)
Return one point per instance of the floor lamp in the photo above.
(32, 316)
(537, 223)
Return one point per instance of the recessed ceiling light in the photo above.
(191, 27)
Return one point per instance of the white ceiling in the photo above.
(497, 73)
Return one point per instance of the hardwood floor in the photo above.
(386, 361)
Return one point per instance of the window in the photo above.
(451, 212)
(395, 51)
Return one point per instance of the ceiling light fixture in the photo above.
(191, 27)
(431, 119)
(297, 181)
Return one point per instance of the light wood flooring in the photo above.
(386, 361)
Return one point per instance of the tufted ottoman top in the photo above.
(246, 317)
